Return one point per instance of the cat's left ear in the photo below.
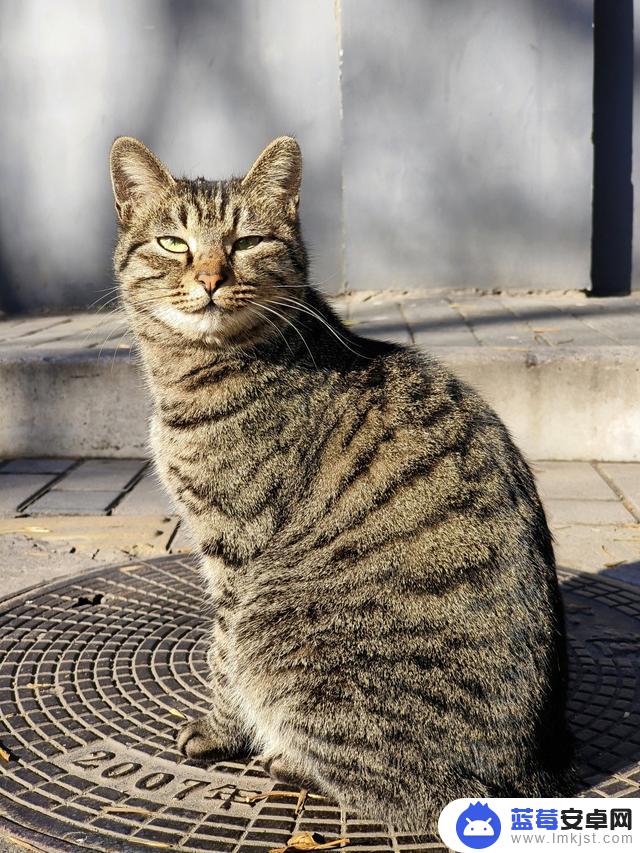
(136, 175)
(278, 172)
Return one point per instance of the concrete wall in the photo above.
(467, 143)
(205, 83)
(446, 143)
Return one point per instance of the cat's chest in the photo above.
(230, 482)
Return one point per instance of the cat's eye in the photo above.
(243, 243)
(174, 244)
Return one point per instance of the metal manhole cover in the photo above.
(97, 672)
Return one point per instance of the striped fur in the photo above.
(387, 622)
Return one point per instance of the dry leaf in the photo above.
(302, 798)
(20, 843)
(614, 564)
(307, 841)
(177, 713)
(4, 755)
(255, 798)
(36, 685)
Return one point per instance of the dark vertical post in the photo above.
(612, 229)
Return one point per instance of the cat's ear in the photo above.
(136, 175)
(278, 171)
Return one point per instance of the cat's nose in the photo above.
(210, 280)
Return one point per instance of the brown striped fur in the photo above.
(387, 622)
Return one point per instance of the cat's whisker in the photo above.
(117, 347)
(110, 291)
(302, 307)
(289, 322)
(111, 315)
(278, 330)
(106, 341)
(318, 284)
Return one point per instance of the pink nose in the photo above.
(210, 281)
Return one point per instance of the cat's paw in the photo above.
(281, 769)
(198, 740)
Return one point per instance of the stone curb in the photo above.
(565, 404)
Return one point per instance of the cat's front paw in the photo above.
(282, 770)
(198, 740)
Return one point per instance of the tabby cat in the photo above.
(388, 630)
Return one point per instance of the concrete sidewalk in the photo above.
(62, 516)
(563, 370)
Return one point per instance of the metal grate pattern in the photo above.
(97, 672)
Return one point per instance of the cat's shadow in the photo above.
(603, 627)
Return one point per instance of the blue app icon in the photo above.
(478, 826)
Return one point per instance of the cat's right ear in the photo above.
(136, 175)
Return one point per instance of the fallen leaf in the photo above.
(4, 755)
(20, 843)
(177, 713)
(309, 841)
(614, 564)
(302, 798)
(35, 685)
(268, 794)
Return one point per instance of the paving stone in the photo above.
(434, 323)
(587, 512)
(36, 550)
(15, 489)
(493, 326)
(577, 480)
(626, 477)
(598, 547)
(616, 319)
(147, 497)
(36, 466)
(98, 475)
(25, 327)
(553, 322)
(381, 320)
(182, 543)
(58, 502)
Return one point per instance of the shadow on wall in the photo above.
(205, 84)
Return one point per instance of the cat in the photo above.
(388, 630)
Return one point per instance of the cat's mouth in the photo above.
(209, 309)
(212, 323)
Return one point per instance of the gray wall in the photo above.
(205, 83)
(468, 158)
(446, 142)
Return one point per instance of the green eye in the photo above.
(173, 244)
(246, 243)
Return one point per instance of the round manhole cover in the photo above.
(96, 674)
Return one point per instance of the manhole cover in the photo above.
(96, 673)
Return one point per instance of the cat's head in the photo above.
(217, 262)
